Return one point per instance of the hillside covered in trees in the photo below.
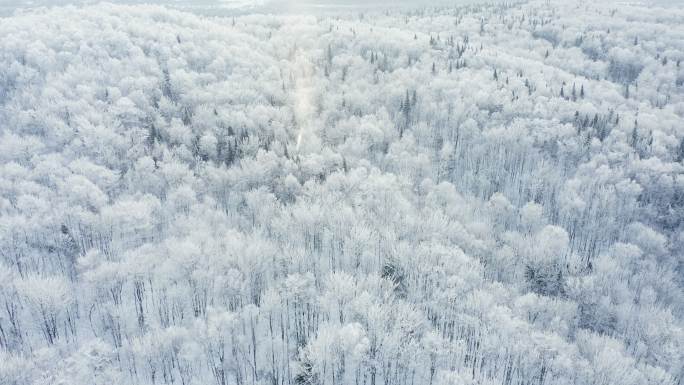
(482, 194)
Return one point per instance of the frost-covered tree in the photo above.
(489, 194)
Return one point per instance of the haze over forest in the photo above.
(223, 7)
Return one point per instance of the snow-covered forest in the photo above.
(467, 194)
